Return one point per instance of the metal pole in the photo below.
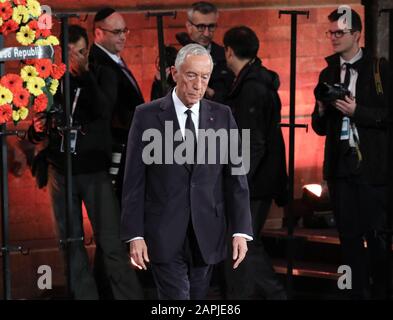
(161, 44)
(4, 204)
(291, 158)
(67, 147)
(389, 216)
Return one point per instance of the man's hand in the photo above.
(347, 106)
(39, 122)
(239, 245)
(78, 61)
(138, 253)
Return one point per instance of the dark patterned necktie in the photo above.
(190, 126)
(347, 78)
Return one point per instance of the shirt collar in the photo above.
(356, 58)
(181, 108)
(209, 48)
(113, 56)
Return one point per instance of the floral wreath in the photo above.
(38, 80)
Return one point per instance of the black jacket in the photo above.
(126, 98)
(370, 118)
(93, 114)
(256, 106)
(222, 78)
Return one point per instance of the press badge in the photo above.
(345, 129)
(73, 136)
(73, 133)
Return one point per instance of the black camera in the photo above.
(327, 93)
(55, 116)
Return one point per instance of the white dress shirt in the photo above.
(113, 56)
(181, 109)
(348, 129)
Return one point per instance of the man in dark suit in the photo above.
(356, 165)
(201, 24)
(174, 213)
(110, 34)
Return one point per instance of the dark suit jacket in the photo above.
(160, 199)
(126, 99)
(371, 119)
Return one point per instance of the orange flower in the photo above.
(5, 10)
(44, 67)
(58, 70)
(19, 2)
(12, 81)
(5, 113)
(33, 25)
(9, 26)
(21, 97)
(40, 103)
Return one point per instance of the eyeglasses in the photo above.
(337, 34)
(202, 27)
(117, 32)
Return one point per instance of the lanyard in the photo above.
(77, 93)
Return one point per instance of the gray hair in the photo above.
(192, 49)
(202, 7)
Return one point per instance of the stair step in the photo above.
(328, 236)
(307, 269)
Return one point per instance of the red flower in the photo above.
(21, 97)
(9, 26)
(5, 10)
(40, 103)
(58, 71)
(33, 25)
(38, 31)
(5, 113)
(44, 67)
(19, 2)
(12, 81)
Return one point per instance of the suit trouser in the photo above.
(360, 212)
(255, 276)
(95, 190)
(186, 276)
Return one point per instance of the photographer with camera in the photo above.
(91, 114)
(351, 111)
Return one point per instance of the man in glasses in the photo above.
(355, 164)
(201, 24)
(110, 34)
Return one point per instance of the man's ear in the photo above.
(97, 33)
(357, 34)
(188, 27)
(229, 52)
(174, 73)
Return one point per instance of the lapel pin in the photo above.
(211, 119)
